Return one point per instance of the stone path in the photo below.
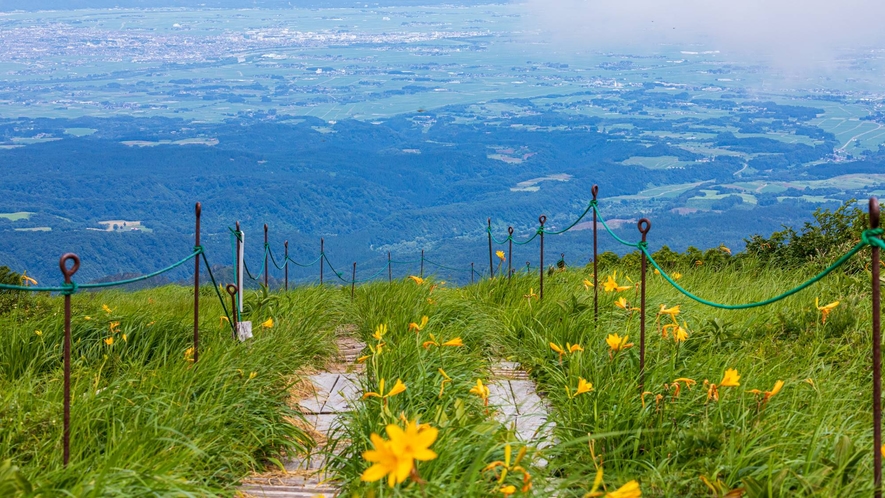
(332, 392)
(513, 392)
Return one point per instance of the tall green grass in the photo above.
(144, 420)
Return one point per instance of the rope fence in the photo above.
(871, 237)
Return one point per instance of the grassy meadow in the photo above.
(146, 421)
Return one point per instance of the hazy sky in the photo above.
(787, 33)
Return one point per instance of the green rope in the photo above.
(444, 267)
(274, 261)
(537, 232)
(306, 265)
(357, 281)
(869, 237)
(73, 287)
(417, 261)
(590, 206)
(218, 291)
(609, 230)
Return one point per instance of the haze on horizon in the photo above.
(775, 32)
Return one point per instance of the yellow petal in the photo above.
(454, 342)
(398, 387)
(268, 324)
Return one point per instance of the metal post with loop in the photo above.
(595, 191)
(644, 226)
(472, 271)
(510, 252)
(68, 273)
(198, 210)
(389, 269)
(353, 281)
(235, 316)
(286, 266)
(265, 255)
(422, 263)
(877, 356)
(322, 257)
(491, 265)
(542, 219)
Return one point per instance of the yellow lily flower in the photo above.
(417, 328)
(768, 394)
(453, 342)
(125, 339)
(38, 332)
(611, 285)
(446, 380)
(680, 334)
(482, 391)
(106, 309)
(500, 255)
(223, 319)
(676, 276)
(379, 332)
(189, 354)
(629, 490)
(572, 348)
(267, 324)
(363, 358)
(417, 280)
(617, 344)
(731, 378)
(109, 341)
(583, 387)
(588, 284)
(557, 348)
(27, 281)
(622, 303)
(395, 458)
(531, 294)
(725, 250)
(825, 309)
(397, 388)
(87, 318)
(669, 311)
(677, 387)
(114, 327)
(508, 490)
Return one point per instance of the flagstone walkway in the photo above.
(335, 389)
(332, 392)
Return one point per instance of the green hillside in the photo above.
(147, 421)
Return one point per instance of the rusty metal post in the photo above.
(644, 226)
(491, 265)
(594, 191)
(877, 356)
(422, 263)
(471, 273)
(389, 269)
(265, 255)
(198, 210)
(322, 257)
(353, 281)
(68, 273)
(238, 277)
(542, 219)
(510, 253)
(235, 315)
(286, 266)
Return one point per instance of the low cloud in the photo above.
(781, 33)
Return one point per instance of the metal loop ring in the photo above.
(644, 226)
(231, 289)
(542, 219)
(594, 190)
(63, 265)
